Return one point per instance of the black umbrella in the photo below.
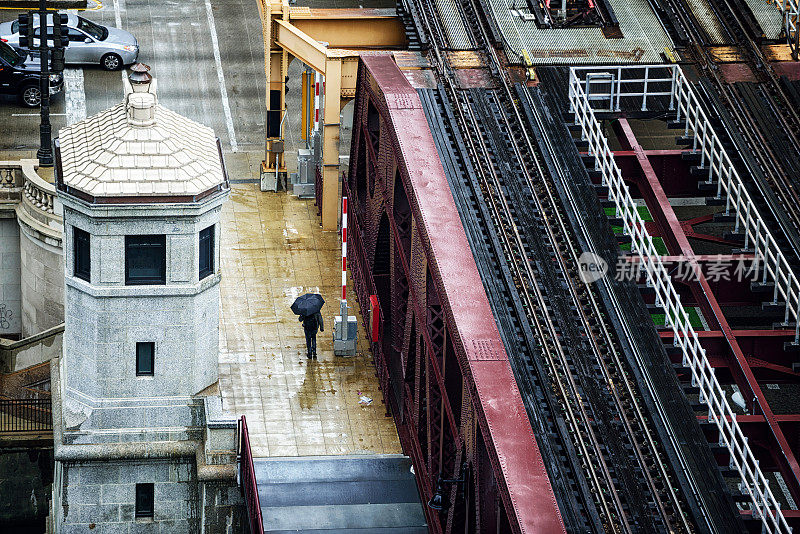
(308, 304)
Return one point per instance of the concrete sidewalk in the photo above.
(273, 250)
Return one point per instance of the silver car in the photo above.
(89, 43)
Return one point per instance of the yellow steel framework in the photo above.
(329, 41)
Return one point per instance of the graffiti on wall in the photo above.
(5, 316)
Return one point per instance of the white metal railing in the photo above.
(789, 10)
(627, 81)
(753, 481)
(748, 221)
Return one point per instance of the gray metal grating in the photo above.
(768, 16)
(454, 27)
(708, 20)
(644, 37)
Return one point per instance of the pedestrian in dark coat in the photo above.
(310, 325)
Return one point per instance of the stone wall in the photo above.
(224, 509)
(10, 298)
(184, 330)
(100, 497)
(42, 284)
(25, 478)
(105, 318)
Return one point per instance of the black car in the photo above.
(19, 75)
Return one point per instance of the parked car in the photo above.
(89, 43)
(19, 75)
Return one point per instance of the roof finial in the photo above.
(141, 102)
(140, 78)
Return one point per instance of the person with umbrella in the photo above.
(308, 307)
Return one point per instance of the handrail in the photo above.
(645, 82)
(247, 479)
(40, 193)
(33, 199)
(776, 268)
(790, 10)
(765, 506)
(26, 415)
(7, 344)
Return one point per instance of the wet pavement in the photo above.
(273, 247)
(273, 250)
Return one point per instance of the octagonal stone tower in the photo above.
(142, 189)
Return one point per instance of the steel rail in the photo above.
(605, 336)
(531, 294)
(602, 343)
(774, 172)
(663, 470)
(607, 341)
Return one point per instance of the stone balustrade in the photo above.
(40, 195)
(39, 208)
(32, 295)
(8, 177)
(19, 180)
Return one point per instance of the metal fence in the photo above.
(622, 87)
(26, 415)
(748, 221)
(790, 11)
(753, 482)
(640, 86)
(247, 479)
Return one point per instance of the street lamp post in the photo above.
(45, 152)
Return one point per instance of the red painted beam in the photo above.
(632, 153)
(700, 258)
(676, 240)
(511, 445)
(787, 513)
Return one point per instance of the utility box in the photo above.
(344, 339)
(303, 186)
(269, 179)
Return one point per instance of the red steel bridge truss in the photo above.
(442, 366)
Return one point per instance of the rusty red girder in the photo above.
(747, 358)
(442, 368)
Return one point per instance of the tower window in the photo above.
(145, 356)
(82, 257)
(144, 499)
(145, 259)
(206, 252)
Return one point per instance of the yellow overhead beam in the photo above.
(300, 45)
(300, 33)
(352, 28)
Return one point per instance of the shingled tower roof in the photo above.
(139, 148)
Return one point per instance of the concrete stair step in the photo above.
(332, 468)
(339, 492)
(347, 517)
(357, 494)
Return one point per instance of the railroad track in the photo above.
(625, 478)
(783, 125)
